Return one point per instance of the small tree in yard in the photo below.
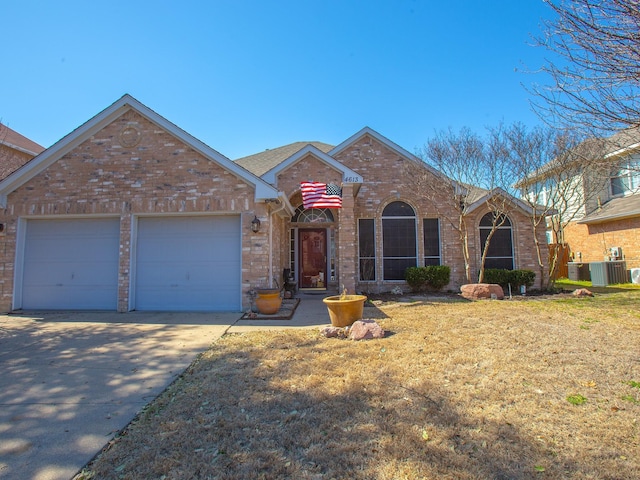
(560, 174)
(475, 170)
(458, 157)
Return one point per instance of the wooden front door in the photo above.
(312, 248)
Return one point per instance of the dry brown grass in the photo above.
(458, 390)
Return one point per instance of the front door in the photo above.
(312, 249)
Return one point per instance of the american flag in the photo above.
(321, 195)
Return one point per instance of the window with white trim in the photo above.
(625, 179)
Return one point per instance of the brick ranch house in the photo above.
(129, 212)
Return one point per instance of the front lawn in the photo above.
(543, 387)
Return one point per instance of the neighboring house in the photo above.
(603, 207)
(129, 212)
(15, 150)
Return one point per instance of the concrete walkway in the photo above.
(70, 381)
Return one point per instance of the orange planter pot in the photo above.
(344, 310)
(268, 301)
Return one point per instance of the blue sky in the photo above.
(247, 75)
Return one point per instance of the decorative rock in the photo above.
(332, 332)
(476, 291)
(582, 292)
(365, 329)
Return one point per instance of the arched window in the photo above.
(500, 251)
(399, 245)
(312, 215)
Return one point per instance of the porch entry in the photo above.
(312, 260)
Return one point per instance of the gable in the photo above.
(133, 164)
(128, 138)
(261, 163)
(307, 168)
(347, 175)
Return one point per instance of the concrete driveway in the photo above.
(70, 381)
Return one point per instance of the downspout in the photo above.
(282, 206)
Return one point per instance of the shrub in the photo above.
(433, 276)
(438, 276)
(497, 275)
(503, 277)
(416, 278)
(522, 277)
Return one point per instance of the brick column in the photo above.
(124, 265)
(347, 243)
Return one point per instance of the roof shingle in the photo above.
(261, 163)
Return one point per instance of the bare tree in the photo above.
(552, 175)
(500, 180)
(561, 174)
(595, 66)
(474, 170)
(459, 158)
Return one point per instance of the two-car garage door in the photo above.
(181, 264)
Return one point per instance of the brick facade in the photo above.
(138, 165)
(388, 177)
(159, 175)
(594, 241)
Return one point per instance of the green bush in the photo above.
(416, 278)
(433, 276)
(522, 277)
(438, 276)
(503, 277)
(496, 275)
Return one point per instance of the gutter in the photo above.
(282, 206)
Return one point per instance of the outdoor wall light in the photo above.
(255, 224)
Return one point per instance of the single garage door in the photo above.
(188, 264)
(71, 264)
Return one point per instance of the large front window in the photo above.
(500, 249)
(398, 240)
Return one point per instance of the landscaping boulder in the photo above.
(582, 292)
(332, 332)
(365, 329)
(476, 291)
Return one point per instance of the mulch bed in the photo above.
(287, 309)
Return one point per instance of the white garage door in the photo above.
(71, 264)
(188, 264)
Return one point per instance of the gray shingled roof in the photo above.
(261, 163)
(616, 209)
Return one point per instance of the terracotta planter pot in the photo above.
(268, 301)
(344, 310)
